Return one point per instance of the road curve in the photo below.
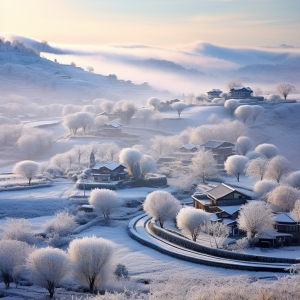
(137, 229)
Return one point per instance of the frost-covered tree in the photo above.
(79, 151)
(293, 179)
(157, 118)
(61, 225)
(283, 197)
(125, 110)
(256, 111)
(255, 217)
(244, 112)
(159, 144)
(105, 201)
(257, 167)
(91, 259)
(18, 229)
(243, 145)
(129, 157)
(13, 255)
(191, 220)
(204, 165)
(268, 150)
(145, 114)
(72, 123)
(274, 98)
(263, 187)
(254, 154)
(85, 120)
(217, 231)
(235, 165)
(296, 211)
(112, 150)
(284, 89)
(27, 169)
(107, 106)
(100, 120)
(231, 105)
(161, 206)
(89, 109)
(147, 164)
(48, 267)
(70, 109)
(179, 106)
(278, 167)
(153, 103)
(70, 157)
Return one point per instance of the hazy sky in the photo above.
(161, 22)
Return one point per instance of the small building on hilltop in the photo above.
(241, 92)
(221, 151)
(106, 172)
(214, 93)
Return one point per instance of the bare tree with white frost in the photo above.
(79, 151)
(235, 165)
(18, 229)
(283, 197)
(179, 106)
(107, 106)
(268, 150)
(284, 89)
(256, 168)
(254, 218)
(244, 112)
(191, 220)
(204, 165)
(153, 102)
(27, 169)
(218, 232)
(296, 211)
(105, 201)
(91, 259)
(72, 123)
(278, 167)
(48, 267)
(243, 145)
(13, 256)
(231, 105)
(263, 187)
(113, 150)
(85, 120)
(257, 110)
(145, 114)
(129, 157)
(147, 164)
(161, 206)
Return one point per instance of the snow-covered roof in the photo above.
(111, 166)
(240, 88)
(222, 190)
(228, 221)
(113, 124)
(230, 209)
(190, 146)
(273, 236)
(284, 217)
(216, 144)
(215, 91)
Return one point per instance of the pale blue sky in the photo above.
(161, 22)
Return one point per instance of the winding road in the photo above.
(137, 229)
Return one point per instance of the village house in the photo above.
(111, 129)
(188, 148)
(220, 150)
(214, 93)
(107, 172)
(241, 92)
(225, 202)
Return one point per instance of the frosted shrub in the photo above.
(293, 179)
(231, 105)
(121, 272)
(147, 164)
(18, 230)
(61, 225)
(278, 167)
(91, 259)
(105, 201)
(217, 231)
(243, 145)
(161, 206)
(13, 256)
(263, 187)
(153, 103)
(244, 112)
(48, 267)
